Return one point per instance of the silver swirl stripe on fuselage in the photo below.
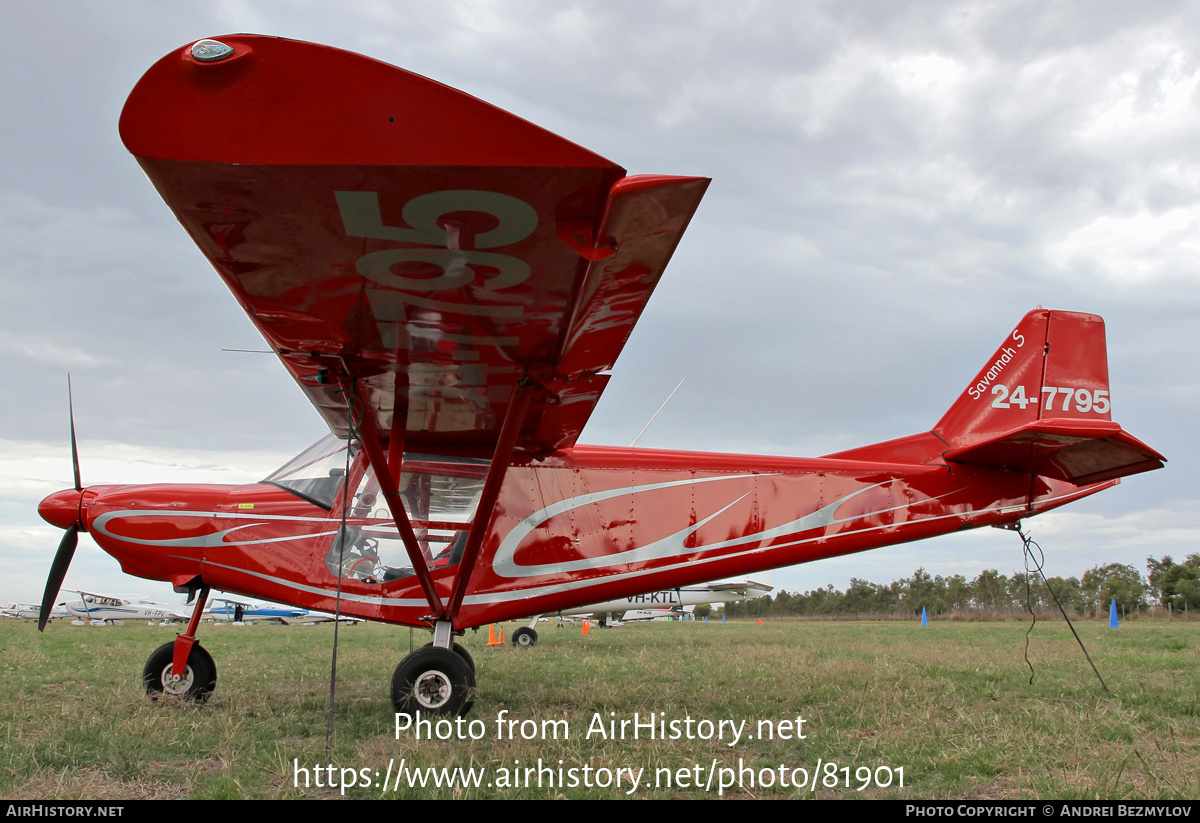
(206, 540)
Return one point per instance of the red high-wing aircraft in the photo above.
(449, 285)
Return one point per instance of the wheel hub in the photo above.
(433, 690)
(173, 684)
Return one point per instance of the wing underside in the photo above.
(395, 238)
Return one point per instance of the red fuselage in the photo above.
(585, 525)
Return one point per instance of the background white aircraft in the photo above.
(248, 611)
(108, 607)
(245, 611)
(31, 611)
(656, 604)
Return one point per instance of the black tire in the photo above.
(524, 638)
(433, 681)
(199, 680)
(461, 652)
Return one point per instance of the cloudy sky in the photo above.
(894, 186)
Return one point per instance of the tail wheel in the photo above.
(197, 682)
(524, 638)
(433, 681)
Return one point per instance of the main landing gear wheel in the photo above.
(198, 680)
(433, 681)
(461, 652)
(524, 638)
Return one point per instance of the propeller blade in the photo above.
(74, 448)
(58, 570)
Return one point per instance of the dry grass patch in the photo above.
(96, 784)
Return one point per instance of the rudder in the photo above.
(1054, 364)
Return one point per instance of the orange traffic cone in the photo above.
(492, 641)
(586, 625)
(758, 622)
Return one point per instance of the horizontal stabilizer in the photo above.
(746, 586)
(1076, 450)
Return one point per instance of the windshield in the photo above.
(435, 489)
(316, 473)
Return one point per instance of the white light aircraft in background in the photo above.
(247, 611)
(101, 608)
(31, 611)
(655, 604)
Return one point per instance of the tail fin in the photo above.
(1041, 404)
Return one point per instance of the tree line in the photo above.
(1167, 583)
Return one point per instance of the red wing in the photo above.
(374, 222)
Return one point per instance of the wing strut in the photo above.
(501, 458)
(387, 485)
(395, 454)
(371, 441)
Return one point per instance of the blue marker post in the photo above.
(1112, 615)
(924, 617)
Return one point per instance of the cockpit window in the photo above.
(440, 495)
(441, 488)
(316, 473)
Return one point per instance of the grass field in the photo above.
(950, 705)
